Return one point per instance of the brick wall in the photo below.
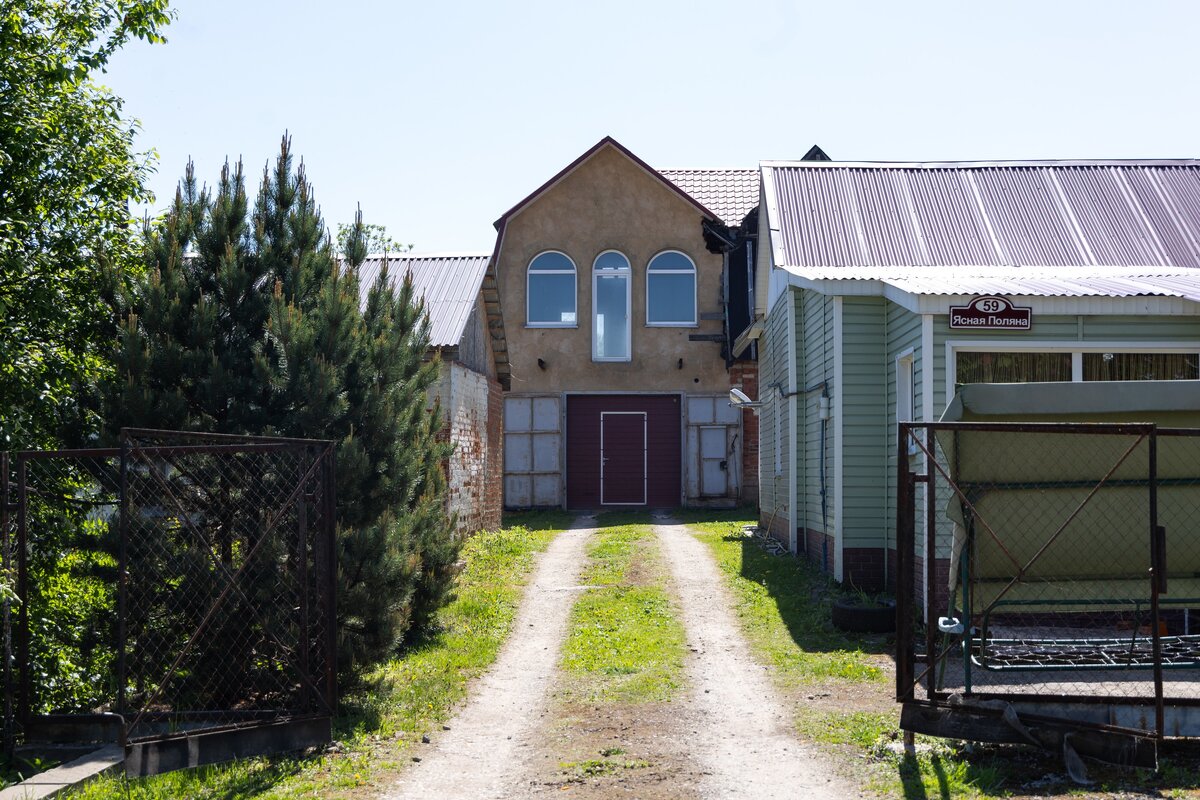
(472, 411)
(744, 375)
(818, 547)
(493, 501)
(940, 589)
(863, 568)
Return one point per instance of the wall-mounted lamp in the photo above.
(541, 364)
(739, 399)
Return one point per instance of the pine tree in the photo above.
(247, 323)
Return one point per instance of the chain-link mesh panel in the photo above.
(68, 530)
(1047, 575)
(184, 581)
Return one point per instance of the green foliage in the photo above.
(67, 173)
(246, 323)
(374, 240)
(404, 697)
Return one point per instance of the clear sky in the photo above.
(439, 116)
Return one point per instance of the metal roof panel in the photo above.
(448, 282)
(1048, 214)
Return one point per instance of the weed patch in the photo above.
(625, 643)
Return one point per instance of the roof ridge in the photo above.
(434, 254)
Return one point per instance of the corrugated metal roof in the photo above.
(1179, 282)
(728, 193)
(449, 282)
(1046, 214)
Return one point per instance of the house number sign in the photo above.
(990, 314)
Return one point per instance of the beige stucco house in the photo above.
(613, 306)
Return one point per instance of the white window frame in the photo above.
(573, 272)
(1075, 348)
(627, 272)
(695, 322)
(906, 391)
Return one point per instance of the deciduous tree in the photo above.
(67, 173)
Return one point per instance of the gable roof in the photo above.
(607, 141)
(1041, 214)
(729, 193)
(449, 282)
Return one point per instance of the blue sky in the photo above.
(437, 117)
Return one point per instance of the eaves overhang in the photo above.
(1158, 295)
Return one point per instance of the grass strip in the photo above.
(779, 603)
(395, 703)
(783, 608)
(625, 643)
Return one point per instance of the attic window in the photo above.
(671, 290)
(550, 292)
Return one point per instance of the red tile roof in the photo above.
(728, 193)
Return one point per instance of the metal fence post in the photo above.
(905, 509)
(1157, 579)
(122, 576)
(23, 708)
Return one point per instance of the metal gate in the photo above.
(175, 593)
(1052, 570)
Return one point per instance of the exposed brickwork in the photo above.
(744, 375)
(814, 542)
(863, 568)
(472, 410)
(776, 526)
(493, 494)
(940, 589)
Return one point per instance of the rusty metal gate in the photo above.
(1050, 569)
(175, 593)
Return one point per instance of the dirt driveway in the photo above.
(728, 736)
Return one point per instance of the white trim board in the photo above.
(838, 456)
(793, 351)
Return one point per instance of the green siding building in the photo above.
(882, 287)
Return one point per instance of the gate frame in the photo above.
(257, 733)
(936, 702)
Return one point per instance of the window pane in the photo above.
(612, 317)
(552, 261)
(611, 260)
(1012, 367)
(671, 261)
(551, 298)
(1140, 366)
(672, 297)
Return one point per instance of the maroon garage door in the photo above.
(623, 450)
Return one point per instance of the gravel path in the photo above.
(481, 756)
(742, 733)
(736, 737)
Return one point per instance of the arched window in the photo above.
(610, 307)
(671, 290)
(550, 291)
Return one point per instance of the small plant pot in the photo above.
(858, 617)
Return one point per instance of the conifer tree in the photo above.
(247, 323)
